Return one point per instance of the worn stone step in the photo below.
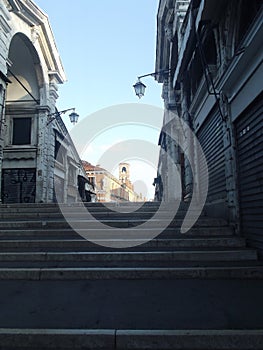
(137, 257)
(141, 205)
(120, 339)
(103, 226)
(147, 209)
(94, 207)
(125, 264)
(128, 259)
(109, 233)
(127, 220)
(132, 303)
(114, 220)
(82, 244)
(140, 273)
(86, 204)
(105, 216)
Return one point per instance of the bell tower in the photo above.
(124, 173)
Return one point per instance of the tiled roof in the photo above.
(90, 167)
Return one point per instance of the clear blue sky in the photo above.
(104, 45)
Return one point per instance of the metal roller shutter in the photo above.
(210, 137)
(249, 136)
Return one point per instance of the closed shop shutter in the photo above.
(210, 136)
(249, 135)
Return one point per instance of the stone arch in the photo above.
(24, 68)
(21, 162)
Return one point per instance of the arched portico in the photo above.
(22, 141)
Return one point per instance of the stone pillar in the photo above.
(230, 162)
(4, 46)
(187, 143)
(2, 125)
(42, 156)
(50, 142)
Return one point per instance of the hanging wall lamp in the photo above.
(139, 86)
(73, 116)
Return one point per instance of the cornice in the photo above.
(41, 32)
(4, 17)
(164, 34)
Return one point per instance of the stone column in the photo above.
(2, 125)
(4, 46)
(230, 162)
(42, 155)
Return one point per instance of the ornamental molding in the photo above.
(40, 33)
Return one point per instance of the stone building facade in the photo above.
(213, 53)
(30, 135)
(110, 189)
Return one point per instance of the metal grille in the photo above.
(19, 185)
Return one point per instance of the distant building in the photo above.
(38, 160)
(110, 189)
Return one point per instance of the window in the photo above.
(59, 152)
(71, 174)
(21, 131)
(92, 180)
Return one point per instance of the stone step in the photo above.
(137, 219)
(112, 264)
(86, 204)
(121, 339)
(109, 233)
(171, 303)
(94, 207)
(123, 259)
(98, 205)
(82, 244)
(140, 273)
(114, 216)
(114, 221)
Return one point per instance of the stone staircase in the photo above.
(199, 290)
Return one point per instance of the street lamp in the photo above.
(73, 116)
(139, 87)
